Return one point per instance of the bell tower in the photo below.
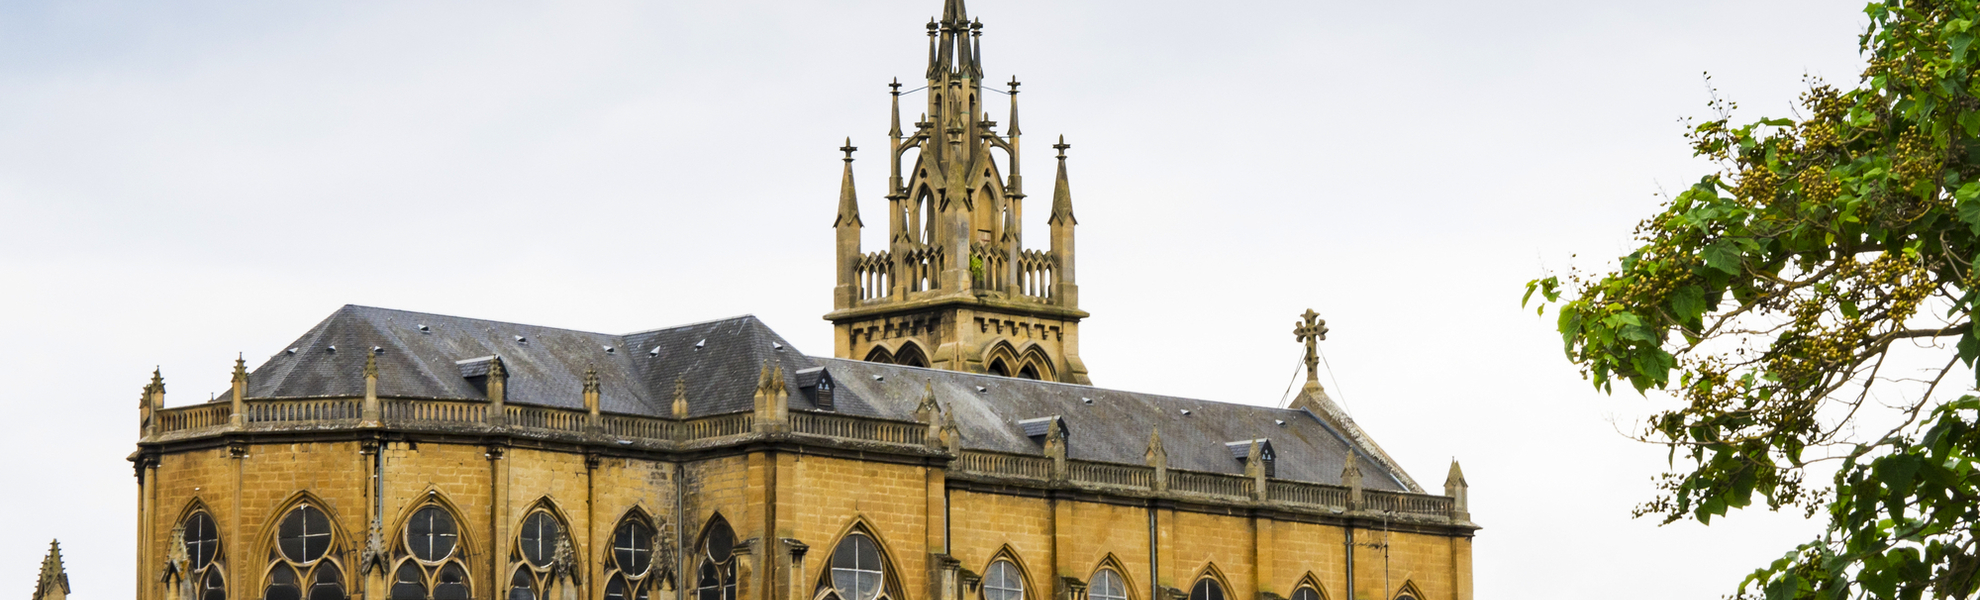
(956, 288)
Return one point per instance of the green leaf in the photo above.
(1723, 256)
(1689, 303)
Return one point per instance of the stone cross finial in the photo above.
(1061, 147)
(1310, 330)
(848, 148)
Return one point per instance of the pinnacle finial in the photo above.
(848, 148)
(240, 367)
(1061, 146)
(896, 85)
(371, 364)
(1456, 477)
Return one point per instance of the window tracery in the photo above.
(1107, 585)
(639, 559)
(715, 579)
(858, 573)
(303, 565)
(541, 557)
(204, 566)
(431, 565)
(1003, 581)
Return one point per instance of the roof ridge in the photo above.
(751, 316)
(478, 319)
(1060, 383)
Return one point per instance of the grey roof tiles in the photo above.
(424, 355)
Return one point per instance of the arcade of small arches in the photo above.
(1002, 359)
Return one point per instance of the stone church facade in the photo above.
(952, 448)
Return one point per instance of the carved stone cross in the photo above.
(1311, 329)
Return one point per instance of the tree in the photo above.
(1811, 305)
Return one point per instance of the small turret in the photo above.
(370, 414)
(238, 415)
(1158, 457)
(591, 388)
(498, 383)
(1459, 492)
(680, 397)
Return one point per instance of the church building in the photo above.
(951, 447)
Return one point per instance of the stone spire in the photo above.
(54, 581)
(1065, 289)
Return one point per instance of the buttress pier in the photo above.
(956, 289)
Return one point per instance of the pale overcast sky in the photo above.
(184, 181)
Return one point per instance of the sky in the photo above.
(185, 182)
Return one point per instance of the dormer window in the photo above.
(1241, 450)
(1040, 428)
(816, 383)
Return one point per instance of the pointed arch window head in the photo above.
(538, 539)
(431, 536)
(637, 561)
(541, 551)
(716, 578)
(857, 571)
(1206, 589)
(1003, 582)
(1306, 593)
(203, 556)
(1107, 585)
(202, 541)
(304, 534)
(429, 556)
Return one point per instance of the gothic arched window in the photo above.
(541, 548)
(635, 565)
(716, 578)
(1206, 589)
(1029, 372)
(304, 567)
(1003, 582)
(430, 562)
(203, 560)
(1306, 593)
(911, 355)
(1107, 585)
(997, 368)
(857, 571)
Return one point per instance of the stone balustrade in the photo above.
(457, 416)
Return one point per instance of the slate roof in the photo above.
(419, 356)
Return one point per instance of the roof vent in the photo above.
(522, 340)
(377, 350)
(1280, 422)
(332, 349)
(424, 329)
(655, 352)
(1088, 401)
(981, 389)
(611, 350)
(697, 345)
(777, 346)
(879, 378)
(293, 350)
(1185, 412)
